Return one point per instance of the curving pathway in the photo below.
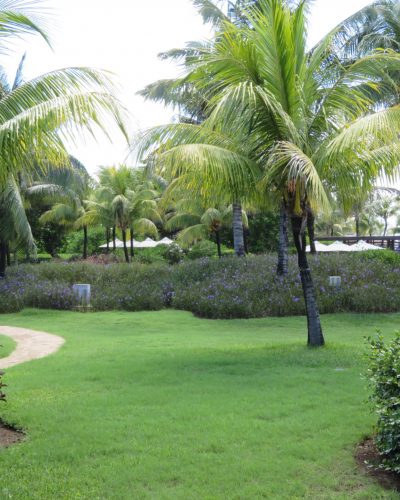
(30, 345)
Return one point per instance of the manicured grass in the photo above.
(167, 406)
(7, 345)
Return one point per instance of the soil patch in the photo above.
(368, 460)
(9, 435)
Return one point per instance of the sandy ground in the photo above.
(30, 345)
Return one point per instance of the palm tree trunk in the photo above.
(386, 226)
(85, 242)
(125, 247)
(218, 240)
(3, 258)
(108, 239)
(315, 335)
(8, 255)
(310, 229)
(238, 241)
(113, 235)
(132, 249)
(357, 218)
(283, 254)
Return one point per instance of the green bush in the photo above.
(384, 256)
(173, 253)
(10, 302)
(149, 255)
(74, 241)
(384, 376)
(202, 249)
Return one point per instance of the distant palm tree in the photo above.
(197, 223)
(132, 201)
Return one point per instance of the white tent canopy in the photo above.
(147, 243)
(361, 246)
(319, 247)
(118, 244)
(165, 241)
(338, 246)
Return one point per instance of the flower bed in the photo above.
(227, 288)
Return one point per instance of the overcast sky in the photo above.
(125, 36)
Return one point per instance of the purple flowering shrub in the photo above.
(10, 298)
(212, 288)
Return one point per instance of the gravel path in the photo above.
(30, 345)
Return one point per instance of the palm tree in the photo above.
(197, 223)
(36, 116)
(386, 207)
(68, 186)
(14, 225)
(302, 119)
(133, 202)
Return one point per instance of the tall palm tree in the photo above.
(301, 119)
(36, 116)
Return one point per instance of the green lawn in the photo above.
(7, 345)
(166, 406)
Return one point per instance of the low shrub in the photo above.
(384, 377)
(384, 256)
(10, 300)
(201, 249)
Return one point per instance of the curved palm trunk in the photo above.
(3, 258)
(315, 335)
(310, 229)
(85, 242)
(132, 249)
(218, 240)
(238, 241)
(113, 235)
(283, 254)
(386, 226)
(125, 247)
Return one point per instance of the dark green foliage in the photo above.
(384, 376)
(52, 238)
(263, 232)
(49, 238)
(74, 241)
